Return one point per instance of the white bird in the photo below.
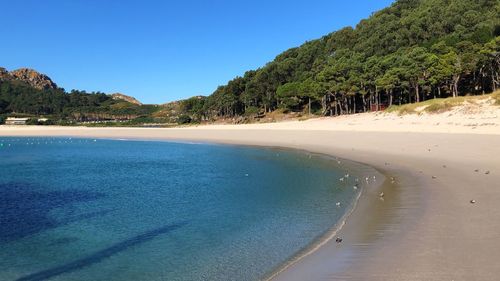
(338, 204)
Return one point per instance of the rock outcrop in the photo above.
(4, 74)
(29, 76)
(119, 96)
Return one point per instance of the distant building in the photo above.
(16, 121)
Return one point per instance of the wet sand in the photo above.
(424, 229)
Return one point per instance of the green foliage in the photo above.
(289, 95)
(252, 111)
(184, 119)
(32, 121)
(410, 51)
(194, 107)
(19, 98)
(413, 50)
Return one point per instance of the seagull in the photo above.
(381, 194)
(472, 201)
(337, 204)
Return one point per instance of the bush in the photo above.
(496, 97)
(184, 119)
(439, 107)
(252, 110)
(32, 121)
(2, 120)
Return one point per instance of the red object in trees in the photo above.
(380, 107)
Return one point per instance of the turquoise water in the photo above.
(84, 209)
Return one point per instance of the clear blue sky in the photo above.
(160, 51)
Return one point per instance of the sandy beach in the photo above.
(425, 228)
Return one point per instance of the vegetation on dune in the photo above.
(440, 105)
(496, 97)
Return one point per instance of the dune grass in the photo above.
(440, 105)
(496, 97)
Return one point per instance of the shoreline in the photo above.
(431, 232)
(335, 229)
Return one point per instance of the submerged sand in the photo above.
(425, 228)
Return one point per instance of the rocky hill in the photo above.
(29, 76)
(119, 96)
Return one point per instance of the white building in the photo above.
(16, 121)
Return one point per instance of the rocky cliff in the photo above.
(29, 76)
(119, 96)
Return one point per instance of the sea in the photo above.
(98, 209)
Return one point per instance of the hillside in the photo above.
(26, 92)
(408, 52)
(412, 51)
(29, 76)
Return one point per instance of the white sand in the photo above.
(425, 229)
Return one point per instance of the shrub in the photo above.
(184, 119)
(252, 110)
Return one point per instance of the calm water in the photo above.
(79, 209)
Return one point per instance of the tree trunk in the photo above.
(390, 97)
(354, 103)
(346, 104)
(370, 101)
(456, 79)
(493, 81)
(309, 105)
(417, 94)
(335, 103)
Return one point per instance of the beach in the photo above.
(425, 228)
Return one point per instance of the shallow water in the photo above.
(84, 209)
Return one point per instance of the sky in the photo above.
(160, 51)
